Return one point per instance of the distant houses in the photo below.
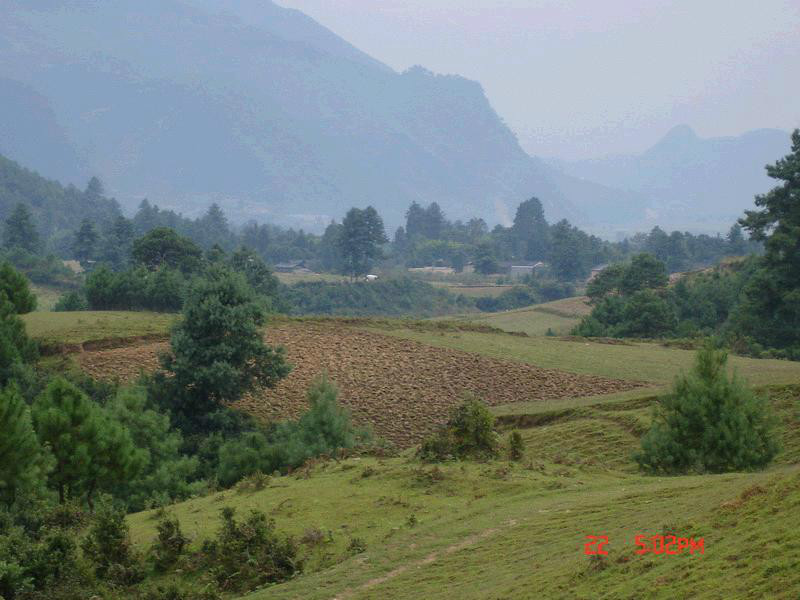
(595, 272)
(292, 266)
(519, 271)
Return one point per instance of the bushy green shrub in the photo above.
(169, 545)
(71, 301)
(325, 428)
(516, 446)
(468, 434)
(402, 296)
(709, 423)
(108, 546)
(250, 553)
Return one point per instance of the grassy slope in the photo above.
(559, 316)
(630, 360)
(46, 296)
(502, 530)
(79, 327)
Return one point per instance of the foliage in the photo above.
(165, 474)
(107, 544)
(85, 244)
(20, 230)
(17, 351)
(164, 247)
(360, 240)
(324, 429)
(516, 446)
(91, 451)
(390, 297)
(770, 310)
(70, 302)
(169, 544)
(469, 433)
(709, 423)
(15, 287)
(137, 288)
(217, 349)
(249, 554)
(23, 463)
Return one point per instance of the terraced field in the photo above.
(402, 388)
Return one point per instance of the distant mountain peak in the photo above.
(680, 134)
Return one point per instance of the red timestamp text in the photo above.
(671, 545)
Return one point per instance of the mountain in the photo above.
(688, 181)
(259, 108)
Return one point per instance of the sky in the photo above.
(583, 78)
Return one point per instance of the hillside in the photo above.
(57, 209)
(711, 179)
(275, 117)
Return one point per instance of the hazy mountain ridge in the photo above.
(691, 180)
(282, 120)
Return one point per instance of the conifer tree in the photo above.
(709, 423)
(23, 463)
(20, 230)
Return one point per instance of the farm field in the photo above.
(502, 529)
(401, 387)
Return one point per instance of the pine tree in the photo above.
(91, 450)
(85, 243)
(360, 240)
(217, 349)
(23, 463)
(770, 311)
(709, 423)
(20, 230)
(530, 231)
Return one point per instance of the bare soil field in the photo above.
(402, 388)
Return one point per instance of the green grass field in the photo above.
(638, 361)
(78, 327)
(517, 530)
(46, 296)
(559, 317)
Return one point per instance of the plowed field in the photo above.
(401, 387)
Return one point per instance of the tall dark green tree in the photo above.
(530, 231)
(415, 221)
(360, 241)
(217, 349)
(117, 243)
(91, 451)
(20, 230)
(770, 311)
(84, 246)
(23, 462)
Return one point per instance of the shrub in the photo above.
(516, 447)
(108, 542)
(709, 423)
(468, 433)
(249, 554)
(169, 544)
(71, 301)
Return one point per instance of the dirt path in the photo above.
(432, 557)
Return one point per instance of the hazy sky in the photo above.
(588, 78)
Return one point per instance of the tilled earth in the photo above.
(402, 388)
